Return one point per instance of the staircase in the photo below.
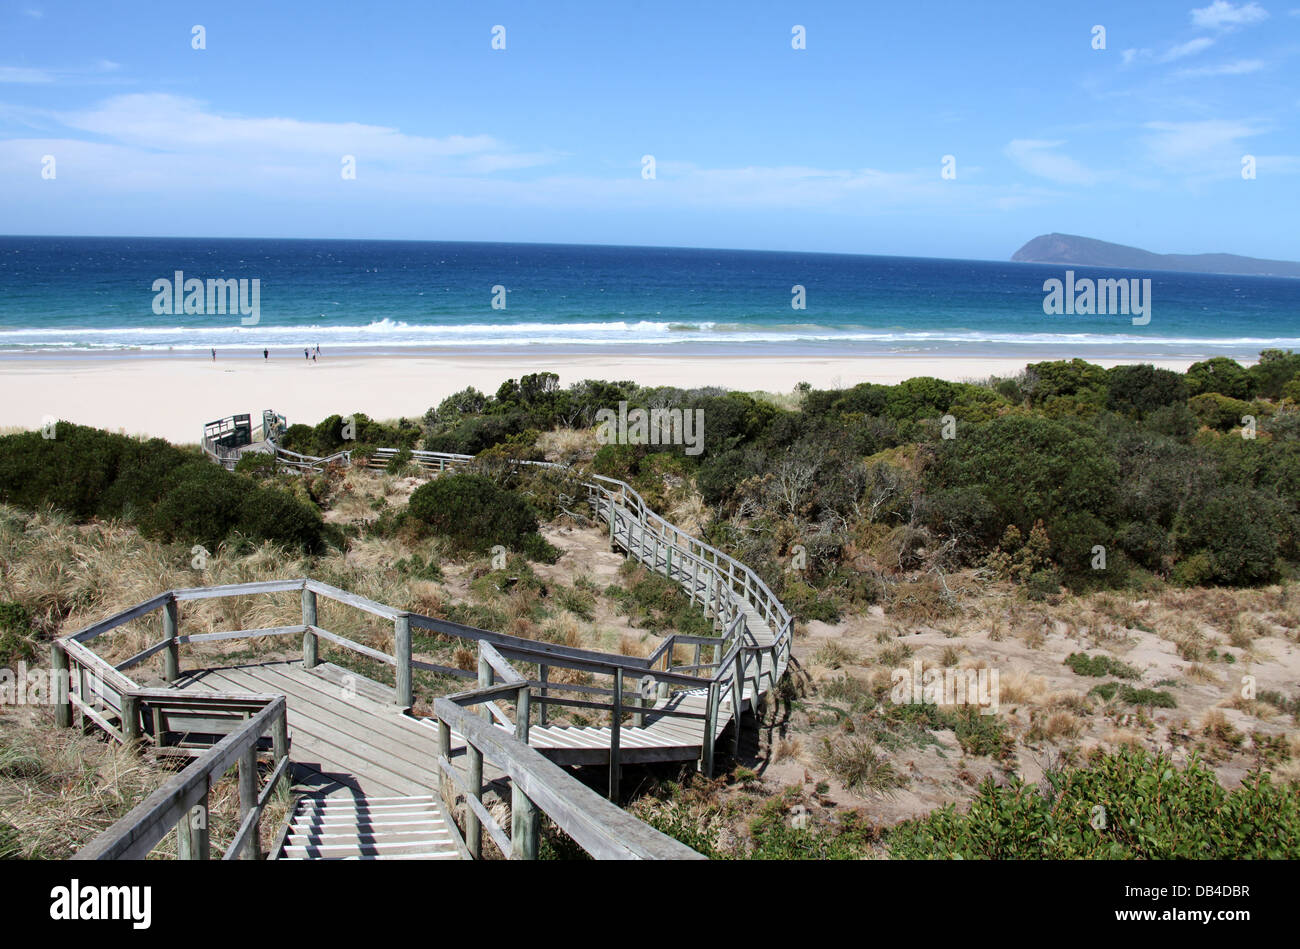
(360, 828)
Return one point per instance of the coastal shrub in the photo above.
(1029, 469)
(1273, 371)
(400, 463)
(1139, 390)
(1238, 529)
(474, 513)
(338, 432)
(257, 464)
(1225, 376)
(166, 491)
(1097, 666)
(1126, 805)
(1074, 377)
(1217, 411)
(201, 506)
(922, 397)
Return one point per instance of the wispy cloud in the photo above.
(1190, 48)
(1199, 151)
(1239, 68)
(23, 74)
(1221, 15)
(176, 124)
(1042, 158)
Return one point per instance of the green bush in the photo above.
(257, 464)
(1028, 469)
(1273, 371)
(1075, 377)
(1131, 696)
(1139, 390)
(168, 492)
(981, 734)
(474, 513)
(1129, 805)
(1222, 375)
(1239, 529)
(1217, 411)
(1099, 665)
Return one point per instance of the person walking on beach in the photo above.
(306, 354)
(266, 353)
(214, 355)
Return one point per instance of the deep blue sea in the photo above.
(78, 294)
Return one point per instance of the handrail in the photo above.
(175, 803)
(724, 586)
(599, 827)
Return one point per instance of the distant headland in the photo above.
(1087, 252)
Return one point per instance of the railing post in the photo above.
(63, 683)
(474, 769)
(402, 652)
(130, 720)
(523, 812)
(710, 729)
(310, 642)
(446, 789)
(638, 717)
(522, 711)
(523, 825)
(192, 832)
(737, 697)
(280, 740)
(615, 763)
(248, 800)
(543, 673)
(172, 654)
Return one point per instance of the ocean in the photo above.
(78, 294)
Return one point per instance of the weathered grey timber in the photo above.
(387, 785)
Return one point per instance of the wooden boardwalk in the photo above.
(373, 778)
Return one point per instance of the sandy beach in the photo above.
(173, 396)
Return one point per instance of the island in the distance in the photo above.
(1087, 252)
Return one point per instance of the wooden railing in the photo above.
(723, 586)
(182, 802)
(728, 591)
(536, 785)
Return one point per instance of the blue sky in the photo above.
(836, 147)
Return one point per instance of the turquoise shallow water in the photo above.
(79, 294)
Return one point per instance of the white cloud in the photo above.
(1190, 48)
(175, 124)
(24, 74)
(1041, 158)
(1199, 150)
(1221, 15)
(1237, 68)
